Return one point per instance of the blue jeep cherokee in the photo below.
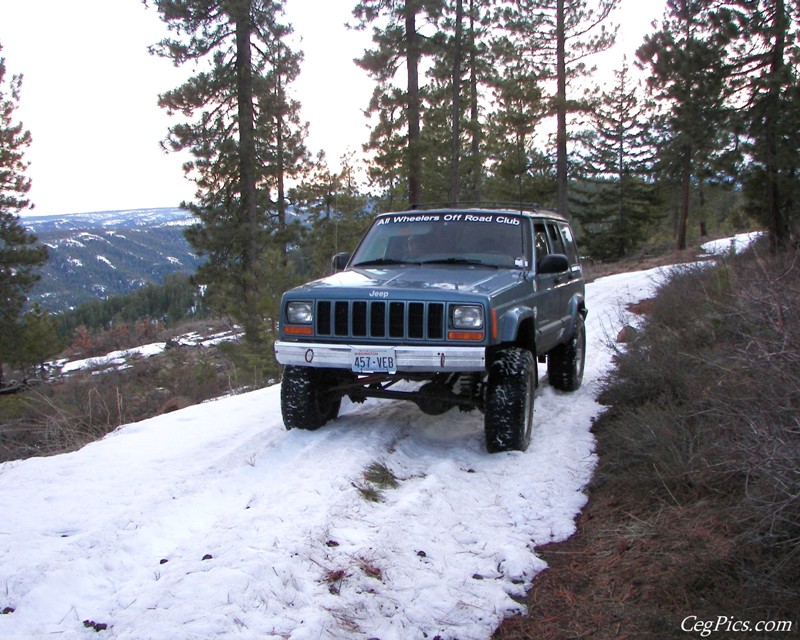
(463, 302)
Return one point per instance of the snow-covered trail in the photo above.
(214, 521)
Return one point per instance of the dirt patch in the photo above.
(642, 308)
(628, 575)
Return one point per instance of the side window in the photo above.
(569, 243)
(540, 241)
(555, 238)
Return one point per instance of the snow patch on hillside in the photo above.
(733, 245)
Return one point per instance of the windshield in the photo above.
(491, 239)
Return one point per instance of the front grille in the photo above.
(381, 320)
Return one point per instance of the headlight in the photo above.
(467, 317)
(300, 312)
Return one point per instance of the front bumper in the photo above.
(409, 359)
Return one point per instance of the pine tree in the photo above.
(19, 253)
(458, 76)
(479, 69)
(557, 37)
(762, 72)
(687, 76)
(282, 151)
(616, 203)
(399, 43)
(455, 118)
(518, 172)
(241, 137)
(338, 212)
(39, 341)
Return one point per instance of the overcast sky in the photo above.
(90, 90)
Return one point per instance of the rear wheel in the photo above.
(508, 418)
(306, 400)
(565, 363)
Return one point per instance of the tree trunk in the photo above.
(414, 107)
(561, 108)
(475, 149)
(455, 139)
(683, 217)
(240, 12)
(280, 172)
(778, 226)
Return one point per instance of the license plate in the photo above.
(374, 361)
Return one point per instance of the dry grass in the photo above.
(695, 505)
(66, 414)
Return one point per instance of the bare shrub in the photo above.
(705, 408)
(61, 417)
(762, 396)
(67, 414)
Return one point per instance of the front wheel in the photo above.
(306, 400)
(508, 418)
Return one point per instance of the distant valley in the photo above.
(109, 253)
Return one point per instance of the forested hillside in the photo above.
(94, 256)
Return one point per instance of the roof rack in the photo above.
(482, 204)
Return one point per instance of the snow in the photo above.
(105, 261)
(188, 221)
(120, 358)
(113, 359)
(70, 242)
(214, 521)
(85, 235)
(736, 244)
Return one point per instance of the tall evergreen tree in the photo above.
(458, 77)
(338, 211)
(281, 149)
(399, 43)
(763, 72)
(558, 36)
(516, 167)
(687, 76)
(455, 117)
(20, 255)
(617, 201)
(479, 68)
(237, 134)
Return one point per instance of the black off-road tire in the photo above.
(565, 363)
(508, 418)
(306, 402)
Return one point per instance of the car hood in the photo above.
(401, 281)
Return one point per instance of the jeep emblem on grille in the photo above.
(378, 294)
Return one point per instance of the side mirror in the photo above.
(553, 263)
(339, 262)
